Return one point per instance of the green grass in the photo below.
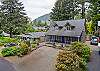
(0, 53)
(7, 40)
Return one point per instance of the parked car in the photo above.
(94, 40)
(98, 39)
(99, 46)
(10, 45)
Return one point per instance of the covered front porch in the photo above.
(62, 39)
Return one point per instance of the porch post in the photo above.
(61, 38)
(49, 38)
(78, 39)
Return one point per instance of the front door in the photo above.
(63, 40)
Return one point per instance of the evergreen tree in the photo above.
(83, 6)
(95, 11)
(64, 10)
(95, 7)
(13, 18)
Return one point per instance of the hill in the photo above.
(43, 18)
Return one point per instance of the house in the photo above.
(5, 34)
(39, 28)
(66, 31)
(40, 36)
(26, 37)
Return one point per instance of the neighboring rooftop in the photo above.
(34, 35)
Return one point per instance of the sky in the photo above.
(37, 8)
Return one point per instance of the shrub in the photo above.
(1, 31)
(22, 51)
(28, 43)
(34, 42)
(12, 51)
(34, 45)
(81, 49)
(86, 53)
(69, 61)
(73, 58)
(1, 44)
(8, 40)
(23, 45)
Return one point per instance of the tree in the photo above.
(29, 28)
(83, 7)
(64, 10)
(95, 11)
(90, 27)
(95, 7)
(13, 18)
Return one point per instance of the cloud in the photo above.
(36, 8)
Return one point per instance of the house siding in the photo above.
(61, 39)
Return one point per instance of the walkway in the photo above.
(43, 59)
(94, 64)
(5, 65)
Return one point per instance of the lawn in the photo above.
(8, 40)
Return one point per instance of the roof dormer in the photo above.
(69, 26)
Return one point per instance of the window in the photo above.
(72, 27)
(60, 27)
(69, 27)
(59, 39)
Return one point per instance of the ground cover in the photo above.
(4, 40)
(22, 48)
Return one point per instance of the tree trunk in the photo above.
(83, 10)
(11, 34)
(73, 11)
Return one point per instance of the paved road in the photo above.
(5, 65)
(43, 59)
(94, 64)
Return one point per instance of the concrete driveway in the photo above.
(5, 65)
(94, 64)
(42, 59)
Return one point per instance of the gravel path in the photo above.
(94, 64)
(42, 59)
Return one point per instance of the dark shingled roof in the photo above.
(79, 27)
(37, 34)
(34, 35)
